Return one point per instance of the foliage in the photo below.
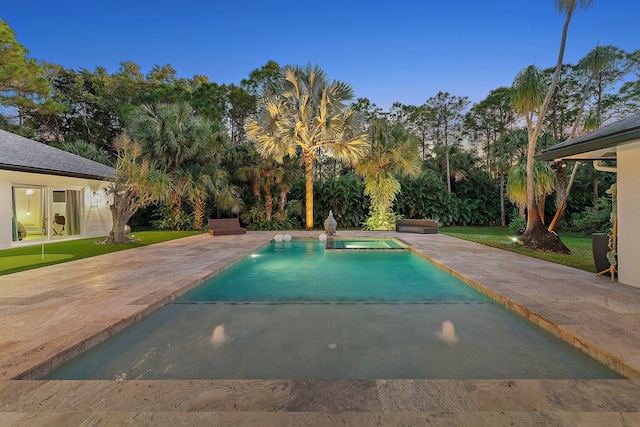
(381, 220)
(426, 197)
(344, 195)
(89, 151)
(594, 220)
(480, 199)
(305, 112)
(393, 153)
(164, 219)
(22, 82)
(544, 183)
(137, 183)
(189, 148)
(517, 225)
(275, 224)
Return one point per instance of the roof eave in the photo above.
(18, 168)
(587, 146)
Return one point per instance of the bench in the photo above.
(225, 226)
(421, 226)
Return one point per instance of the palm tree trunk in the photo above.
(308, 187)
(268, 202)
(198, 212)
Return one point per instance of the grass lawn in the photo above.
(28, 257)
(581, 256)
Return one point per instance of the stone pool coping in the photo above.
(50, 314)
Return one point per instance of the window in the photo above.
(29, 213)
(67, 213)
(35, 218)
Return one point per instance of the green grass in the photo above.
(28, 257)
(499, 237)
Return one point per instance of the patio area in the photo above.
(50, 314)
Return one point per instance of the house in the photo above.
(619, 141)
(47, 194)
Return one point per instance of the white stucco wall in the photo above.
(96, 220)
(629, 214)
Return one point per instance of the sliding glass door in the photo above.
(34, 217)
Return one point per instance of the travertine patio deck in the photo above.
(47, 315)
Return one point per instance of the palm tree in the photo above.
(304, 112)
(181, 142)
(544, 179)
(600, 59)
(393, 153)
(199, 183)
(528, 100)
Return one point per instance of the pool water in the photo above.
(364, 244)
(294, 310)
(304, 271)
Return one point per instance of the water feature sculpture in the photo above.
(330, 225)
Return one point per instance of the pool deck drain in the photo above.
(50, 314)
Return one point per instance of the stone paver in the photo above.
(50, 314)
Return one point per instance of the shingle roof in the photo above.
(26, 155)
(618, 133)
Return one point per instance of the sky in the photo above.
(388, 51)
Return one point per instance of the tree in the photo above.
(447, 122)
(303, 111)
(506, 150)
(88, 151)
(544, 179)
(529, 100)
(22, 82)
(136, 184)
(489, 120)
(393, 153)
(181, 142)
(599, 60)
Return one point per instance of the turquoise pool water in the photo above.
(294, 310)
(304, 271)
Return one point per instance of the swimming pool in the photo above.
(294, 310)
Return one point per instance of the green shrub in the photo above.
(517, 225)
(594, 220)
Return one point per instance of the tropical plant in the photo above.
(529, 100)
(544, 179)
(136, 184)
(187, 146)
(303, 111)
(393, 153)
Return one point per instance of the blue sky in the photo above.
(388, 51)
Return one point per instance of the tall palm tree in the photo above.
(527, 101)
(600, 59)
(304, 112)
(393, 153)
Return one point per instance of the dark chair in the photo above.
(59, 220)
